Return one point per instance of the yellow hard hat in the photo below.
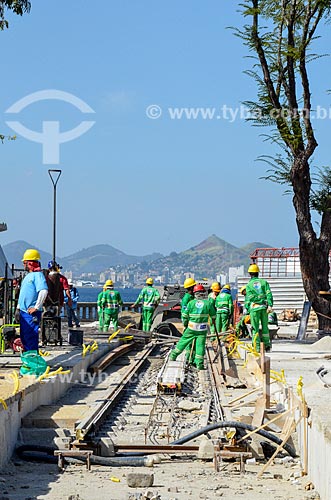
(216, 287)
(149, 281)
(31, 254)
(189, 282)
(242, 289)
(253, 268)
(227, 286)
(109, 283)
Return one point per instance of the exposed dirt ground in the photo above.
(176, 479)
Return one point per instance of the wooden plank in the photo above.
(291, 429)
(259, 412)
(266, 380)
(279, 416)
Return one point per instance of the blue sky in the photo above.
(140, 184)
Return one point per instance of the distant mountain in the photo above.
(14, 252)
(250, 247)
(98, 258)
(94, 259)
(210, 257)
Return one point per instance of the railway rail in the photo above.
(140, 403)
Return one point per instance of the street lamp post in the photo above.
(54, 175)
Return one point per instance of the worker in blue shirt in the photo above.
(71, 309)
(32, 295)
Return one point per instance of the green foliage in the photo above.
(280, 171)
(320, 199)
(8, 137)
(19, 7)
(279, 34)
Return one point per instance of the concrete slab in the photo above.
(56, 416)
(33, 393)
(300, 359)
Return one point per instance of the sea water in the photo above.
(90, 294)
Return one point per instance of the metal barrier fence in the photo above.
(288, 292)
(88, 311)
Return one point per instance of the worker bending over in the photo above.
(224, 309)
(150, 297)
(195, 320)
(241, 326)
(259, 301)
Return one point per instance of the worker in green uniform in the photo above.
(196, 317)
(215, 291)
(241, 326)
(224, 309)
(260, 301)
(189, 284)
(112, 302)
(150, 297)
(100, 308)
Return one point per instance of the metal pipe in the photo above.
(54, 182)
(38, 453)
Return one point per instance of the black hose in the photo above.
(120, 461)
(38, 453)
(237, 425)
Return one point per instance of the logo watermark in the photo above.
(51, 136)
(231, 114)
(153, 111)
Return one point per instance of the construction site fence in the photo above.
(88, 311)
(288, 293)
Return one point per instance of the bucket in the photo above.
(75, 337)
(32, 364)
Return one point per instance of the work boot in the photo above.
(268, 348)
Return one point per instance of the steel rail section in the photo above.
(110, 357)
(156, 448)
(215, 380)
(177, 448)
(93, 421)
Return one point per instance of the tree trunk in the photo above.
(315, 276)
(314, 252)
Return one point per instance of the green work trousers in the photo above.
(101, 320)
(259, 316)
(147, 318)
(186, 340)
(105, 317)
(222, 321)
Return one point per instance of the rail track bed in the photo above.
(123, 404)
